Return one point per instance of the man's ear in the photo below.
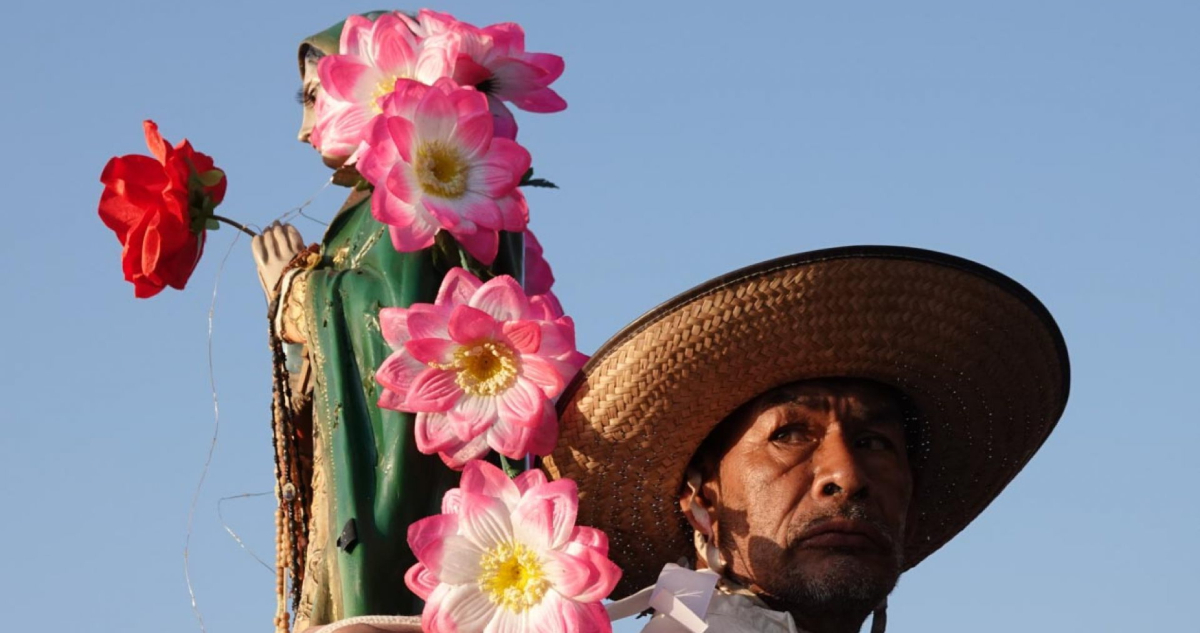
(697, 498)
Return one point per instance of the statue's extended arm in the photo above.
(273, 250)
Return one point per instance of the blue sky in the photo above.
(1057, 142)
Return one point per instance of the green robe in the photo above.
(373, 474)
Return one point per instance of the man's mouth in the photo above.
(843, 534)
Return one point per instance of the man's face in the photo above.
(810, 499)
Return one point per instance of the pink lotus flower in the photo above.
(435, 165)
(480, 367)
(494, 60)
(507, 556)
(538, 276)
(373, 57)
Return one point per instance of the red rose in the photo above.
(153, 205)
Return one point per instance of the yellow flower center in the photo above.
(441, 169)
(485, 368)
(385, 87)
(513, 577)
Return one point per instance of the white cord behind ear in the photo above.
(703, 537)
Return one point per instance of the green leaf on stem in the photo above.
(529, 181)
(211, 178)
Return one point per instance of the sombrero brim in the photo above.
(981, 359)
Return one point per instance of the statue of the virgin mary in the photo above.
(350, 478)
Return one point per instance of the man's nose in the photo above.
(836, 471)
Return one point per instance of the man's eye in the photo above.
(790, 434)
(875, 443)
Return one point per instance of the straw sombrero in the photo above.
(978, 355)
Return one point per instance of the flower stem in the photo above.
(237, 225)
(509, 469)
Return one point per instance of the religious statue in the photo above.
(417, 349)
(344, 518)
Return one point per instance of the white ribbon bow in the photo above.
(681, 596)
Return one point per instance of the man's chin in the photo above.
(832, 580)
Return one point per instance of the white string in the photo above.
(212, 381)
(233, 534)
(212, 446)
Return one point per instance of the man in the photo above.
(803, 431)
(809, 428)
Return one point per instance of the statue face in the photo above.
(310, 87)
(307, 96)
(812, 493)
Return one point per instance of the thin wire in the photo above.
(212, 446)
(234, 534)
(299, 210)
(212, 381)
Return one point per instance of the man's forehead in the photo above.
(874, 402)
(852, 397)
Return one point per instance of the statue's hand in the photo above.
(273, 249)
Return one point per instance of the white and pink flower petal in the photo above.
(398, 371)
(436, 117)
(479, 209)
(567, 574)
(503, 121)
(461, 453)
(391, 210)
(460, 609)
(544, 437)
(414, 237)
(483, 478)
(502, 298)
(472, 416)
(356, 35)
(522, 404)
(543, 373)
(420, 580)
(433, 391)
(347, 78)
(485, 520)
(545, 516)
(603, 575)
(390, 400)
(581, 617)
(459, 563)
(525, 336)
(482, 244)
(514, 212)
(586, 538)
(434, 434)
(452, 500)
(529, 479)
(514, 78)
(427, 538)
(474, 134)
(469, 325)
(510, 440)
(432, 350)
(448, 213)
(393, 324)
(428, 321)
(541, 100)
(392, 45)
(457, 288)
(437, 58)
(508, 157)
